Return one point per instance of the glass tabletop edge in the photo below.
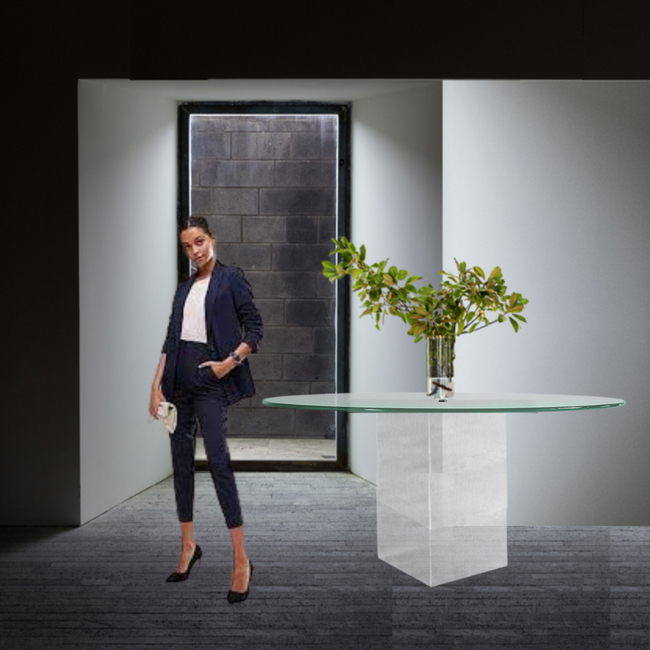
(440, 408)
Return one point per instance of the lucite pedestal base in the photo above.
(442, 494)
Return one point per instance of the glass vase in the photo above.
(440, 366)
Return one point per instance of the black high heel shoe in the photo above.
(239, 596)
(178, 576)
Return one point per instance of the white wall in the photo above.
(396, 212)
(551, 181)
(127, 268)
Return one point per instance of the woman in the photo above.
(202, 370)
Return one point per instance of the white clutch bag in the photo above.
(168, 414)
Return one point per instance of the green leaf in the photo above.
(496, 271)
(402, 274)
(339, 269)
(362, 253)
(462, 267)
(518, 317)
(328, 265)
(479, 271)
(388, 279)
(515, 324)
(502, 318)
(356, 273)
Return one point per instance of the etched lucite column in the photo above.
(442, 494)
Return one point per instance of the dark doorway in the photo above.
(272, 179)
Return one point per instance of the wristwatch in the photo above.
(236, 358)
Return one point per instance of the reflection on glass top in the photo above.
(460, 403)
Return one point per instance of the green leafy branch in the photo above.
(460, 306)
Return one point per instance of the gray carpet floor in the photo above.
(317, 584)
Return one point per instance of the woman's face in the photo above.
(198, 245)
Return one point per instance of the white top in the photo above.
(193, 328)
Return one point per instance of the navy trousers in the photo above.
(198, 395)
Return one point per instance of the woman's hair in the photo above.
(196, 222)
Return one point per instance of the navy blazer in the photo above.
(229, 308)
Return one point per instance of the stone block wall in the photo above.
(267, 186)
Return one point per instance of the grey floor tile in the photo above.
(318, 583)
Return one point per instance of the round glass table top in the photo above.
(460, 403)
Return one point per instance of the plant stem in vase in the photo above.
(440, 366)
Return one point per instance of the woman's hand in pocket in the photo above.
(219, 368)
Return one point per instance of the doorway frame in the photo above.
(342, 288)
